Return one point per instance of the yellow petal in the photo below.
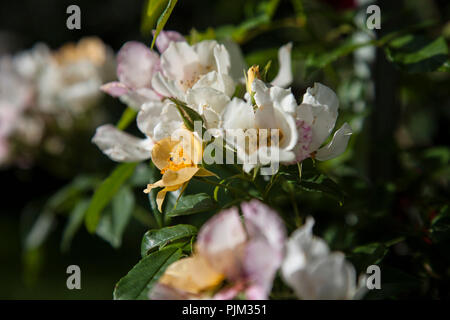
(202, 172)
(161, 152)
(162, 195)
(150, 186)
(171, 178)
(193, 275)
(252, 74)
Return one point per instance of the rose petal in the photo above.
(337, 145)
(136, 64)
(165, 38)
(121, 146)
(284, 76)
(221, 240)
(114, 89)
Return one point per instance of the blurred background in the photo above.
(393, 85)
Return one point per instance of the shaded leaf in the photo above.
(151, 13)
(163, 19)
(161, 237)
(112, 224)
(417, 54)
(127, 117)
(141, 278)
(74, 223)
(191, 204)
(105, 192)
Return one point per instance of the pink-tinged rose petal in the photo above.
(165, 37)
(265, 249)
(229, 293)
(163, 292)
(263, 222)
(221, 240)
(256, 292)
(136, 64)
(114, 89)
(302, 148)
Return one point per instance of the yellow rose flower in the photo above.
(178, 161)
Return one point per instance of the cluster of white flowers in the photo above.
(246, 253)
(39, 84)
(202, 77)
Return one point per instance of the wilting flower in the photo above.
(178, 157)
(313, 272)
(183, 67)
(315, 119)
(136, 66)
(273, 110)
(70, 81)
(245, 253)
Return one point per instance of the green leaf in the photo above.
(163, 19)
(161, 237)
(191, 204)
(189, 115)
(127, 117)
(322, 60)
(417, 54)
(151, 13)
(315, 181)
(369, 254)
(139, 280)
(74, 223)
(105, 193)
(112, 225)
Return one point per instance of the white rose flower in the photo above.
(274, 109)
(313, 272)
(315, 119)
(184, 67)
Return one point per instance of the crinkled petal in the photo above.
(136, 64)
(179, 61)
(207, 97)
(205, 52)
(121, 146)
(149, 116)
(222, 59)
(322, 95)
(284, 76)
(283, 99)
(219, 81)
(166, 87)
(337, 145)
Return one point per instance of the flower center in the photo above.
(178, 160)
